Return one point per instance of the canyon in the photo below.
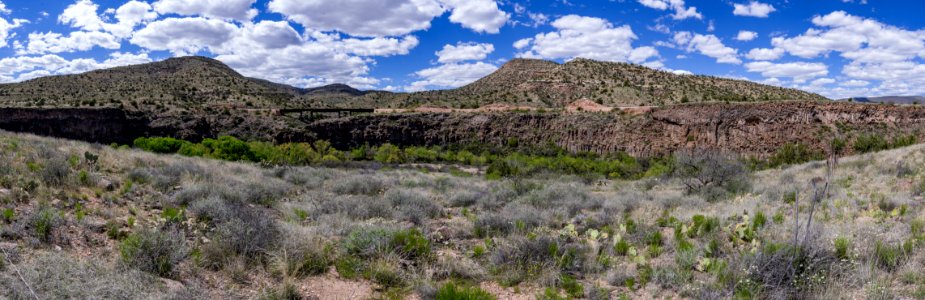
(755, 129)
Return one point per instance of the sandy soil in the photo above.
(331, 287)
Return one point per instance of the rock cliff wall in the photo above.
(105, 125)
(757, 129)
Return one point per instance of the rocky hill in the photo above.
(173, 84)
(203, 84)
(548, 84)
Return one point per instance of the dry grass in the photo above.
(406, 232)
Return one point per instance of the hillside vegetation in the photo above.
(90, 221)
(548, 84)
(198, 84)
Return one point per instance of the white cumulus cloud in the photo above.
(681, 11)
(798, 71)
(708, 45)
(745, 35)
(451, 75)
(389, 17)
(241, 10)
(464, 51)
(753, 9)
(586, 37)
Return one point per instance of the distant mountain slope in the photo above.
(889, 99)
(199, 83)
(176, 83)
(548, 84)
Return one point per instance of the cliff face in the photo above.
(757, 129)
(104, 125)
(754, 129)
(110, 125)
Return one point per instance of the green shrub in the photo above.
(159, 144)
(759, 220)
(385, 273)
(903, 141)
(571, 286)
(374, 242)
(229, 148)
(154, 251)
(389, 154)
(654, 239)
(792, 153)
(887, 256)
(348, 266)
(870, 143)
(43, 222)
(411, 243)
(8, 215)
(452, 291)
(842, 247)
(194, 150)
(621, 248)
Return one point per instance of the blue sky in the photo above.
(839, 48)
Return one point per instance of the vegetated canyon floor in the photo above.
(88, 221)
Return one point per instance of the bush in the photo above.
(300, 258)
(452, 291)
(571, 286)
(371, 242)
(842, 247)
(160, 144)
(359, 185)
(385, 272)
(60, 276)
(787, 271)
(154, 251)
(389, 154)
(56, 171)
(791, 154)
(888, 257)
(536, 254)
(43, 223)
(412, 206)
(248, 233)
(870, 143)
(711, 174)
(492, 224)
(229, 148)
(903, 141)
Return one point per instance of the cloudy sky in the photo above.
(839, 48)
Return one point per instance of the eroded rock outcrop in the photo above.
(754, 129)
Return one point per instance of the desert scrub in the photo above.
(61, 276)
(154, 251)
(300, 257)
(453, 291)
(412, 205)
(359, 185)
(56, 171)
(713, 175)
(520, 258)
(888, 256)
(371, 242)
(249, 235)
(43, 222)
